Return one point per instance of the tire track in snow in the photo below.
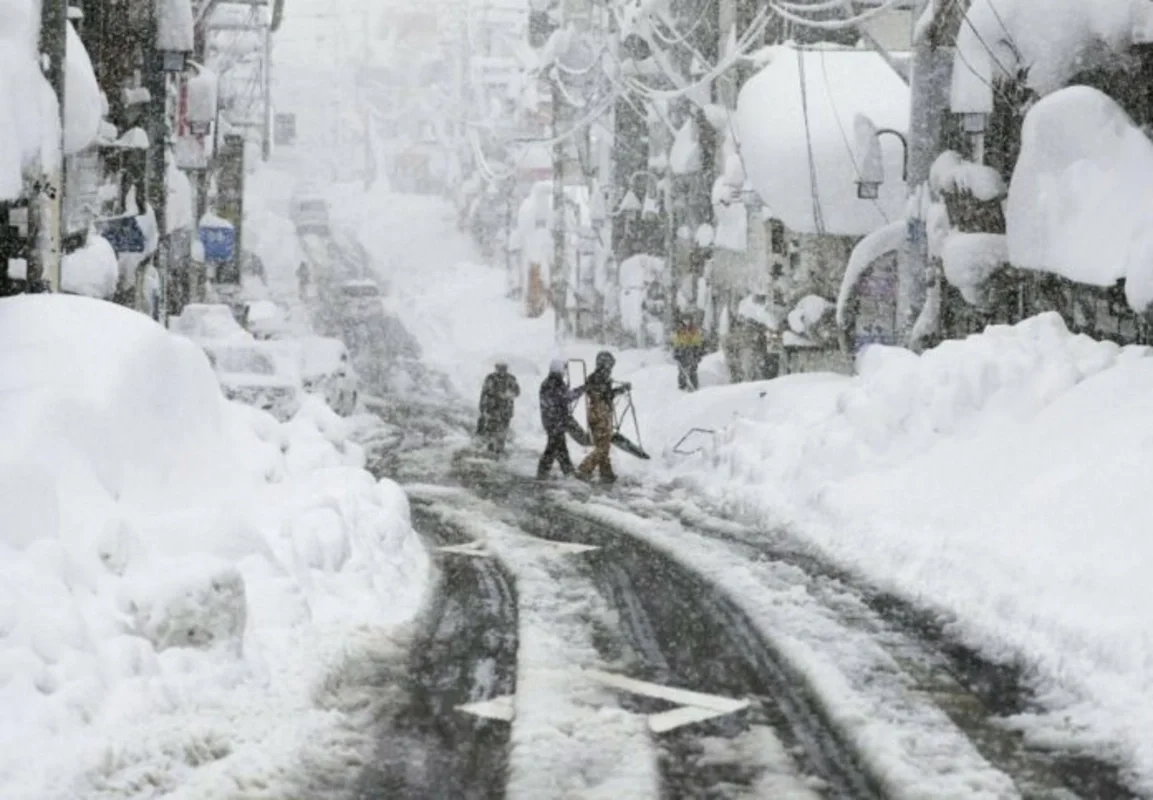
(570, 737)
(975, 693)
(906, 743)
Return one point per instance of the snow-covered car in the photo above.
(326, 369)
(208, 321)
(264, 319)
(309, 213)
(362, 295)
(259, 374)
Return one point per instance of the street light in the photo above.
(871, 169)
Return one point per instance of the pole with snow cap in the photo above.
(930, 78)
(46, 204)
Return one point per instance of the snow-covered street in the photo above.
(842, 311)
(888, 693)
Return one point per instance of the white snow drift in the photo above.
(1000, 480)
(176, 572)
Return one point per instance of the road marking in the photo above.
(476, 549)
(722, 705)
(694, 706)
(498, 708)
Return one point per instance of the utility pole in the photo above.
(46, 205)
(156, 184)
(266, 91)
(559, 271)
(930, 78)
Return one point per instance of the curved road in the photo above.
(670, 625)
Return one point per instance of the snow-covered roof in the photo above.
(775, 140)
(1081, 199)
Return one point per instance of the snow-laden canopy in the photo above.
(28, 110)
(1081, 199)
(835, 85)
(1053, 40)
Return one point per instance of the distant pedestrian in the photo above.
(688, 350)
(599, 394)
(497, 396)
(556, 399)
(303, 279)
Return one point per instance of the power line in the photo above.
(818, 216)
(833, 25)
(844, 133)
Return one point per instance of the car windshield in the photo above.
(361, 290)
(242, 361)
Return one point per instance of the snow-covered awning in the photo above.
(776, 137)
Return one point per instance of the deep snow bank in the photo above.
(1001, 480)
(176, 571)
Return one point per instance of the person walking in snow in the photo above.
(688, 350)
(556, 400)
(600, 394)
(497, 396)
(302, 279)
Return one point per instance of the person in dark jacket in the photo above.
(496, 407)
(688, 350)
(599, 394)
(556, 400)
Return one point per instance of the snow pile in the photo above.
(177, 573)
(29, 116)
(952, 173)
(1082, 192)
(970, 259)
(1000, 480)
(777, 124)
(808, 313)
(92, 270)
(1052, 41)
(174, 25)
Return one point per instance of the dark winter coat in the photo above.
(496, 399)
(555, 400)
(600, 393)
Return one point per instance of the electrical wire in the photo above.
(818, 215)
(740, 51)
(833, 25)
(844, 133)
(692, 28)
(807, 8)
(1009, 36)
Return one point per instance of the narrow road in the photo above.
(758, 673)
